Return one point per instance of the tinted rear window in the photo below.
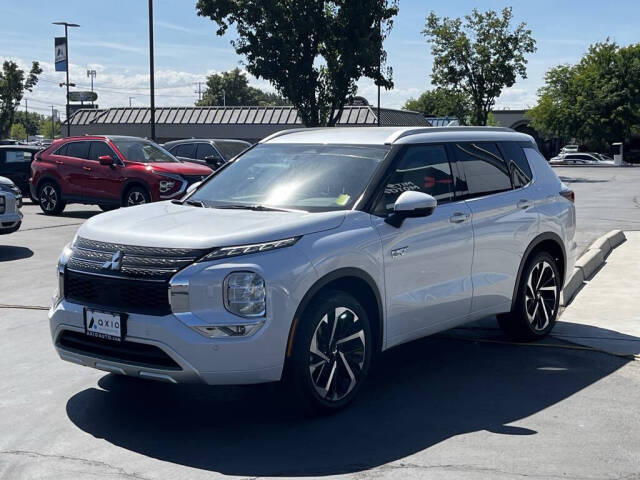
(519, 167)
(485, 170)
(231, 149)
(62, 150)
(78, 149)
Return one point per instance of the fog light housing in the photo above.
(245, 294)
(226, 331)
(166, 186)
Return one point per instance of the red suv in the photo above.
(108, 171)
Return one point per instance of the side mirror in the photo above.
(215, 161)
(106, 160)
(193, 186)
(411, 205)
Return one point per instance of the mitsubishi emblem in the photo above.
(115, 263)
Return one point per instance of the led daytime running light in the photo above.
(226, 252)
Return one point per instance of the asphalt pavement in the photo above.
(441, 407)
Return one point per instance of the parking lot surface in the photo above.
(440, 407)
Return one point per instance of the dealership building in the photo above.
(243, 123)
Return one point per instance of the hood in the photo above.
(179, 168)
(6, 181)
(165, 224)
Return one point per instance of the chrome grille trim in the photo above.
(89, 256)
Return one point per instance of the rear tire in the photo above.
(535, 310)
(50, 198)
(136, 195)
(332, 353)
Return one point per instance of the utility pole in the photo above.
(52, 117)
(199, 91)
(130, 101)
(151, 74)
(224, 98)
(26, 110)
(66, 41)
(91, 74)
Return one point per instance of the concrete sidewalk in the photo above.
(605, 314)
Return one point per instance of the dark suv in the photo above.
(211, 152)
(110, 172)
(15, 164)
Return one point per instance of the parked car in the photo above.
(583, 158)
(15, 164)
(8, 141)
(569, 149)
(212, 152)
(315, 250)
(109, 171)
(10, 204)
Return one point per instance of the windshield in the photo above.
(315, 178)
(143, 151)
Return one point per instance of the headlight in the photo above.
(166, 185)
(225, 252)
(245, 294)
(10, 188)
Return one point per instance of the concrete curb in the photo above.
(589, 263)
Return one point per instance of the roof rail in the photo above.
(415, 131)
(288, 131)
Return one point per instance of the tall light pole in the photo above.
(151, 74)
(66, 41)
(91, 74)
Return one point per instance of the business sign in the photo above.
(83, 96)
(60, 44)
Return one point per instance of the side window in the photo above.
(518, 165)
(422, 168)
(62, 150)
(485, 170)
(205, 150)
(78, 149)
(99, 149)
(17, 156)
(187, 150)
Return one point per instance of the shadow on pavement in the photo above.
(581, 180)
(9, 253)
(75, 214)
(419, 395)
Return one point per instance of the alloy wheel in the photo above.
(337, 354)
(135, 198)
(48, 198)
(541, 296)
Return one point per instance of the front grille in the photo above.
(91, 256)
(118, 294)
(139, 354)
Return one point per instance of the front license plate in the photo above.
(104, 324)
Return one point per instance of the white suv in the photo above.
(10, 204)
(313, 251)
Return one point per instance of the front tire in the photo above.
(538, 296)
(50, 199)
(332, 352)
(136, 196)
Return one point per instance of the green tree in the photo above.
(13, 83)
(18, 132)
(31, 121)
(312, 51)
(596, 101)
(441, 102)
(479, 56)
(232, 88)
(45, 128)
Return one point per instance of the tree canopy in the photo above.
(441, 102)
(596, 101)
(232, 88)
(13, 83)
(312, 51)
(479, 57)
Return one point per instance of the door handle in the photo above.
(524, 203)
(459, 217)
(59, 162)
(88, 169)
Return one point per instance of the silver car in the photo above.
(314, 251)
(10, 204)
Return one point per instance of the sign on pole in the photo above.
(60, 44)
(83, 96)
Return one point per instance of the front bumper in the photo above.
(201, 360)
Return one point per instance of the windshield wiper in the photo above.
(255, 207)
(195, 203)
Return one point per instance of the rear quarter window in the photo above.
(518, 165)
(78, 149)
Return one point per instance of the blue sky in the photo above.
(113, 40)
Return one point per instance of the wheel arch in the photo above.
(356, 282)
(545, 242)
(134, 182)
